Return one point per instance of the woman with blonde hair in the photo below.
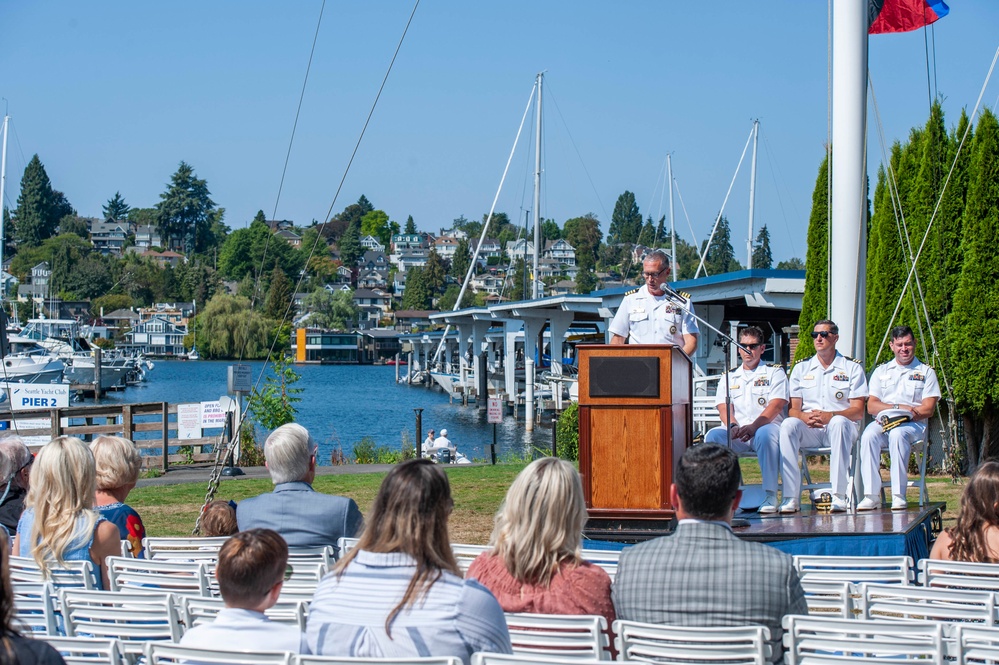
(975, 537)
(59, 523)
(399, 593)
(536, 564)
(118, 465)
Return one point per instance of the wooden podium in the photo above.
(635, 420)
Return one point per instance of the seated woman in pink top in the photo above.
(535, 564)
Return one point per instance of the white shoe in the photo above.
(789, 506)
(838, 504)
(869, 503)
(769, 505)
(898, 502)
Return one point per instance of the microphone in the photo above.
(673, 295)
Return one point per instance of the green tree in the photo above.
(974, 321)
(88, 278)
(586, 278)
(626, 220)
(279, 295)
(417, 294)
(75, 225)
(116, 208)
(793, 263)
(376, 225)
(142, 216)
(584, 234)
(229, 328)
(110, 303)
(647, 236)
(550, 230)
(762, 258)
(331, 311)
(520, 287)
(350, 246)
(39, 208)
(274, 405)
(410, 225)
(461, 261)
(687, 258)
(183, 211)
(450, 297)
(435, 273)
(814, 304)
(720, 258)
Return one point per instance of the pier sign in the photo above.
(240, 379)
(189, 421)
(494, 410)
(34, 396)
(212, 414)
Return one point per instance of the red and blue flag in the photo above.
(904, 15)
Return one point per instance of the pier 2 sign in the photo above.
(34, 396)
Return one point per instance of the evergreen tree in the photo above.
(350, 246)
(793, 263)
(417, 294)
(586, 278)
(75, 225)
(720, 258)
(550, 230)
(762, 259)
(647, 236)
(410, 225)
(584, 234)
(435, 273)
(183, 210)
(116, 208)
(626, 221)
(461, 261)
(814, 304)
(687, 258)
(279, 295)
(973, 326)
(39, 209)
(519, 286)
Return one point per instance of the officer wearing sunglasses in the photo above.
(827, 393)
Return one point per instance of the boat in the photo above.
(30, 363)
(61, 337)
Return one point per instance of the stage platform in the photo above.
(869, 533)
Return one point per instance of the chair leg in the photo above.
(924, 495)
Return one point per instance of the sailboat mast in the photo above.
(537, 196)
(3, 187)
(672, 228)
(752, 196)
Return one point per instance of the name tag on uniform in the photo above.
(808, 377)
(638, 310)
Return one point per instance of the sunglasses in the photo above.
(821, 333)
(31, 460)
(753, 347)
(288, 572)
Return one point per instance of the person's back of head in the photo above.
(289, 451)
(218, 519)
(117, 461)
(540, 523)
(978, 513)
(14, 455)
(707, 481)
(251, 569)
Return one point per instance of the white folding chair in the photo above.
(606, 559)
(487, 658)
(977, 644)
(812, 640)
(892, 602)
(87, 650)
(465, 554)
(325, 555)
(304, 580)
(188, 549)
(959, 574)
(169, 654)
(196, 611)
(187, 578)
(829, 598)
(309, 659)
(34, 607)
(826, 451)
(345, 545)
(921, 449)
(683, 644)
(855, 569)
(133, 618)
(559, 635)
(73, 574)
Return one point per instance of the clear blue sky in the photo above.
(113, 95)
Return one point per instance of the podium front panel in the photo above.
(626, 471)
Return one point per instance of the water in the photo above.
(343, 403)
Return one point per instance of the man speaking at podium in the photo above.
(655, 314)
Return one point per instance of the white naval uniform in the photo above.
(644, 318)
(906, 385)
(824, 389)
(752, 390)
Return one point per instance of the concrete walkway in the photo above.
(178, 475)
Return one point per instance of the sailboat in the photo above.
(193, 353)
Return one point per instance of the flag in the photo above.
(903, 15)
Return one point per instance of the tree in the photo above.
(762, 259)
(109, 303)
(183, 211)
(229, 328)
(720, 258)
(793, 263)
(626, 221)
(417, 294)
(75, 225)
(687, 258)
(39, 209)
(116, 208)
(331, 311)
(519, 288)
(142, 216)
(410, 225)
(586, 279)
(435, 273)
(461, 261)
(974, 321)
(550, 230)
(584, 234)
(279, 295)
(814, 302)
(350, 246)
(376, 225)
(274, 405)
(450, 297)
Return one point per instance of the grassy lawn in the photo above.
(171, 510)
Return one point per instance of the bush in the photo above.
(364, 451)
(250, 454)
(567, 433)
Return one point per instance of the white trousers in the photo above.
(839, 435)
(765, 443)
(899, 442)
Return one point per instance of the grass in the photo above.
(478, 491)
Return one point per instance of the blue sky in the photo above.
(113, 95)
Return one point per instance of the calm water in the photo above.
(343, 403)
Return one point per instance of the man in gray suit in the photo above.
(703, 575)
(303, 516)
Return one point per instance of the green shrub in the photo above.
(365, 451)
(567, 433)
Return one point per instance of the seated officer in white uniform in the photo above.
(650, 316)
(904, 393)
(827, 404)
(759, 395)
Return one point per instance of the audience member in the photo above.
(59, 522)
(15, 649)
(400, 593)
(303, 516)
(118, 465)
(218, 519)
(535, 564)
(703, 575)
(252, 567)
(15, 472)
(975, 536)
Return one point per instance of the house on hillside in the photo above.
(414, 320)
(446, 247)
(401, 241)
(520, 249)
(562, 288)
(108, 236)
(491, 249)
(560, 250)
(411, 258)
(37, 286)
(372, 279)
(373, 304)
(289, 237)
(276, 225)
(372, 243)
(119, 322)
(146, 237)
(164, 259)
(156, 336)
